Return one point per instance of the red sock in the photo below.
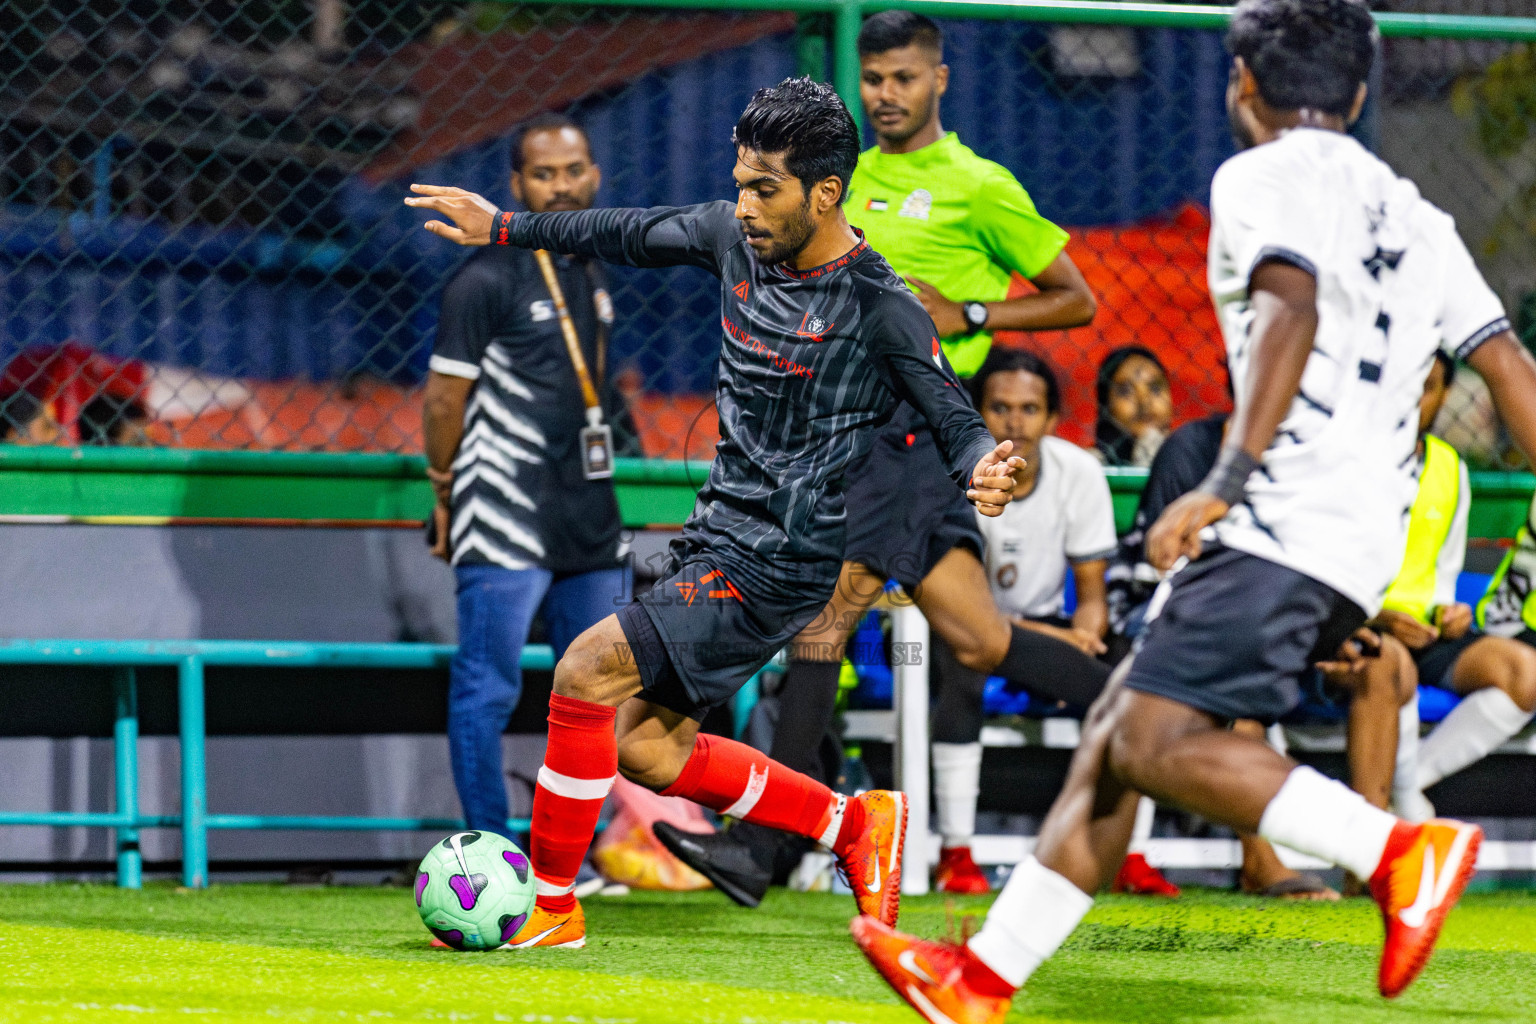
(579, 767)
(735, 779)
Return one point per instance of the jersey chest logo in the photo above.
(541, 310)
(814, 327)
(918, 205)
(741, 291)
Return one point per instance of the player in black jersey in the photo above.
(821, 342)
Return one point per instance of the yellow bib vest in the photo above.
(1434, 511)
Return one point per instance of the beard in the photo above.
(790, 239)
(901, 133)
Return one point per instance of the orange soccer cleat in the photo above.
(957, 873)
(944, 982)
(1423, 872)
(551, 930)
(1138, 876)
(872, 862)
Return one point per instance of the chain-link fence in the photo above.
(202, 242)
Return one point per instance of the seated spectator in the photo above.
(1135, 407)
(1062, 516)
(1371, 675)
(1061, 519)
(1495, 675)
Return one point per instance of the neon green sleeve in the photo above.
(1011, 229)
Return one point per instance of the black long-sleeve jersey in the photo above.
(811, 361)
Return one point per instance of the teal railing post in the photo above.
(845, 55)
(194, 774)
(125, 749)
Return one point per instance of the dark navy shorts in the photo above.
(1238, 636)
(701, 632)
(1436, 661)
(904, 511)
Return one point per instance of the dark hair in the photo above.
(808, 123)
(1447, 363)
(1115, 444)
(1305, 53)
(547, 122)
(1016, 360)
(891, 30)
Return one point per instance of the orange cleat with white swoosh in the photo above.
(550, 929)
(1423, 872)
(872, 862)
(944, 982)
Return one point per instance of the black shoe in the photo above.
(729, 863)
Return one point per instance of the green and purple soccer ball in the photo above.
(474, 890)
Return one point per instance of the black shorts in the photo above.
(701, 632)
(1238, 635)
(904, 511)
(1436, 661)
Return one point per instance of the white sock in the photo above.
(1031, 918)
(1146, 810)
(1483, 720)
(1318, 815)
(956, 784)
(1405, 790)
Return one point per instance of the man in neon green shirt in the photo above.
(956, 226)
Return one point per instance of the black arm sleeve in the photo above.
(905, 345)
(662, 236)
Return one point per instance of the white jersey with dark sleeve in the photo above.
(1332, 496)
(810, 362)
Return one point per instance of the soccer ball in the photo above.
(474, 890)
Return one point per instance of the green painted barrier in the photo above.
(147, 486)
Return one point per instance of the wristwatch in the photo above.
(975, 315)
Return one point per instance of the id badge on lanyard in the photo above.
(596, 447)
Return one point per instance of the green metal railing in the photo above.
(190, 658)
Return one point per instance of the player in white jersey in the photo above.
(1336, 283)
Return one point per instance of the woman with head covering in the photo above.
(1135, 407)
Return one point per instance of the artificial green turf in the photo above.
(265, 953)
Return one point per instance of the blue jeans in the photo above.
(496, 606)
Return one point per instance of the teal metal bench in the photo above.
(190, 657)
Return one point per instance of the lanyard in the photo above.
(596, 436)
(568, 329)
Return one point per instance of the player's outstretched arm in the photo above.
(1284, 299)
(1511, 375)
(663, 236)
